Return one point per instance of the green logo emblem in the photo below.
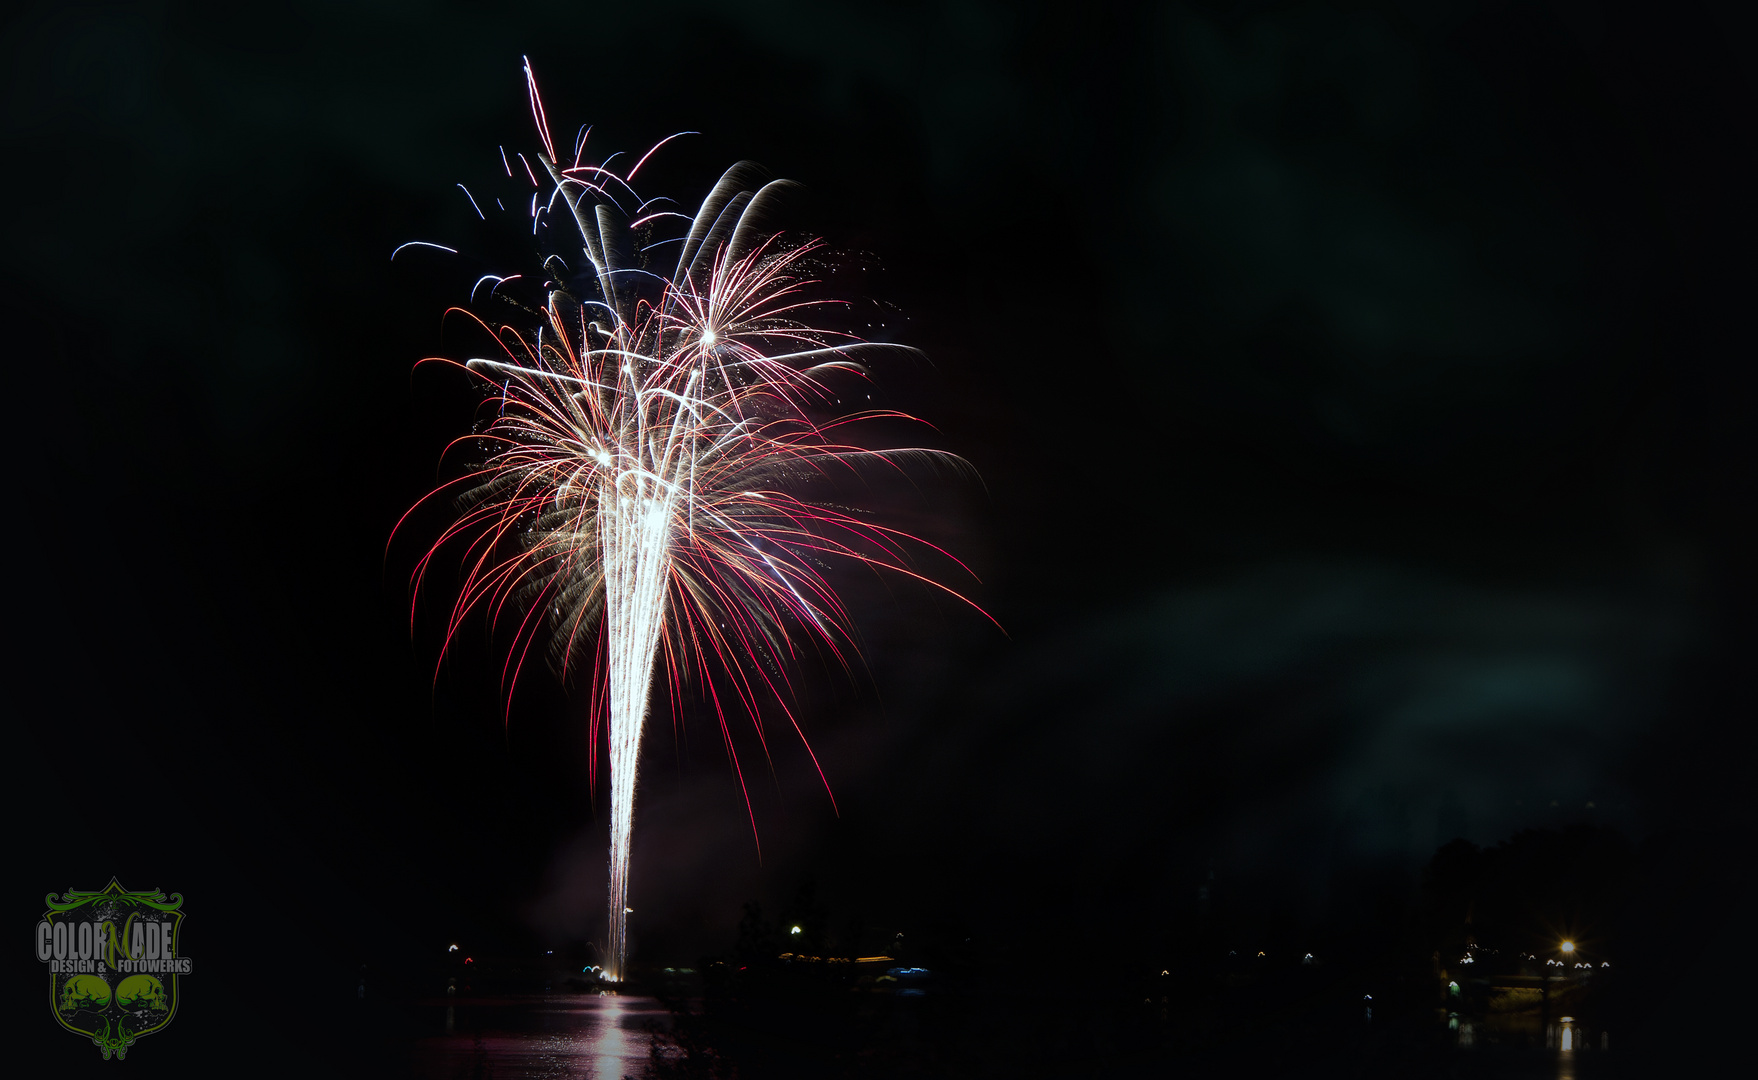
(114, 963)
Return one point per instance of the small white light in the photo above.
(795, 930)
(707, 337)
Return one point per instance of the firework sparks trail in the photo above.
(637, 562)
(641, 492)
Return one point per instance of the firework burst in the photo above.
(640, 491)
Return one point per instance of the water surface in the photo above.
(585, 1036)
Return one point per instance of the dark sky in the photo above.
(1362, 395)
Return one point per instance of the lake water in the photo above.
(579, 1036)
(609, 1037)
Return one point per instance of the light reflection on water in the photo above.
(608, 1037)
(584, 1036)
(1568, 1037)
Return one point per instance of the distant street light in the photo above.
(1568, 946)
(795, 930)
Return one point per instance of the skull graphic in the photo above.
(84, 992)
(142, 995)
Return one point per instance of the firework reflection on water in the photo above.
(605, 1037)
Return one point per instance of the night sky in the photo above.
(1362, 396)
